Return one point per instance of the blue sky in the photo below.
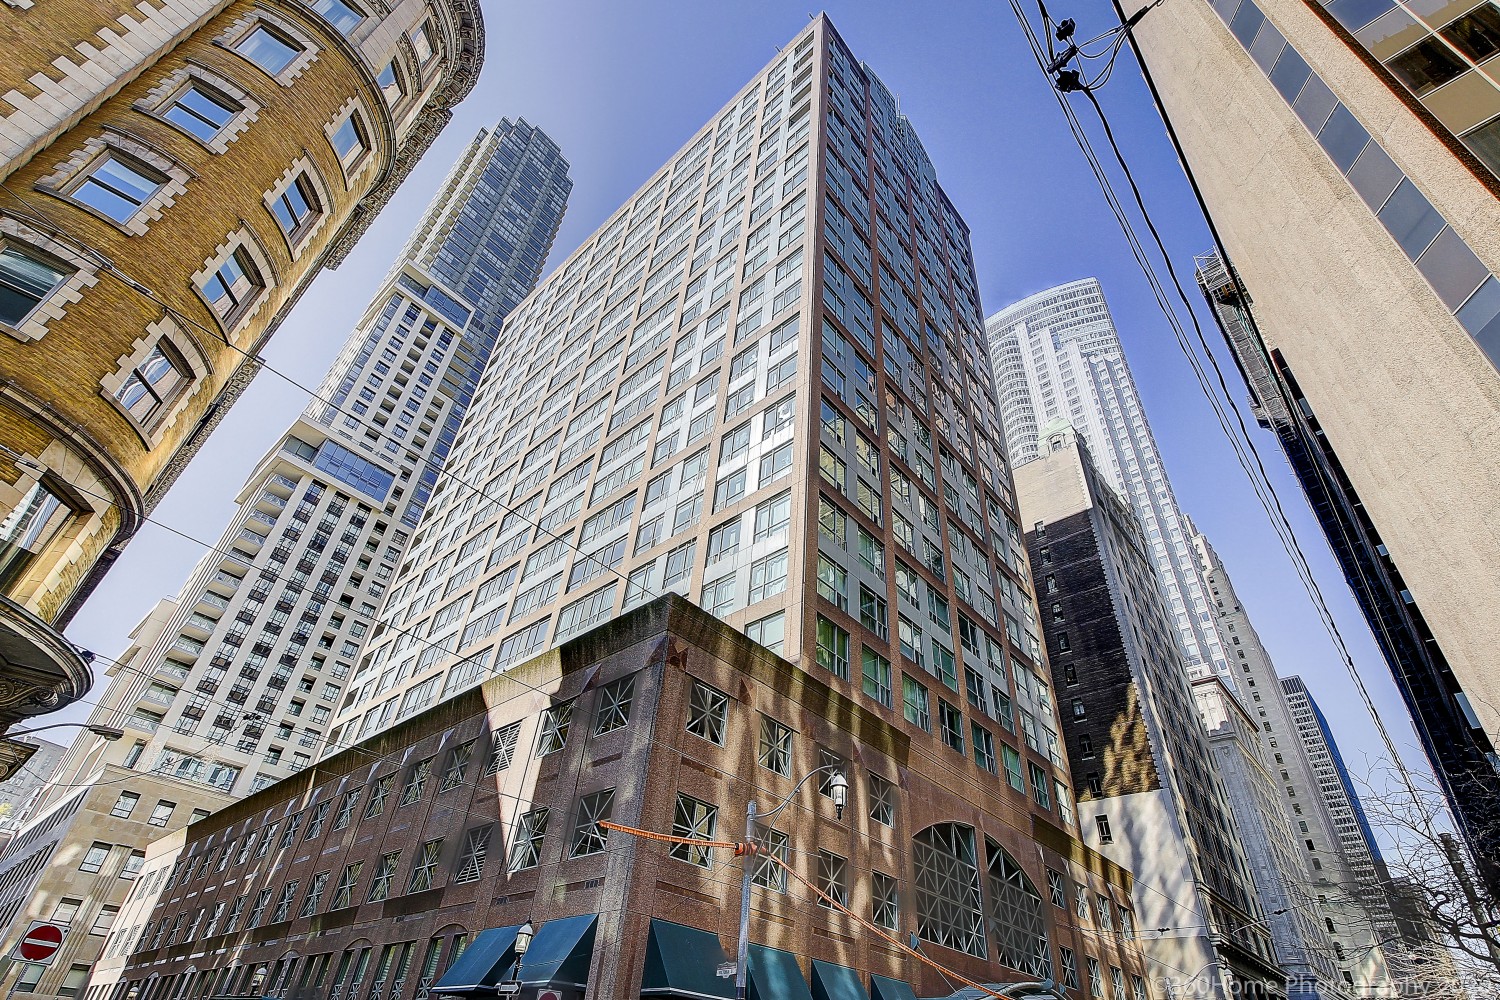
(621, 86)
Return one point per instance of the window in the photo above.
(476, 849)
(775, 465)
(772, 516)
(588, 836)
(769, 631)
(1041, 786)
(458, 765)
(296, 206)
(1070, 968)
(27, 278)
(390, 83)
(775, 746)
(421, 41)
(1012, 761)
(118, 187)
(268, 49)
(774, 844)
(65, 910)
(105, 920)
(150, 386)
(426, 866)
(768, 575)
(27, 980)
(885, 903)
(201, 111)
(503, 748)
(416, 782)
(833, 583)
(1106, 835)
(284, 901)
(339, 14)
(133, 865)
(708, 710)
(1096, 976)
(526, 846)
(346, 810)
(554, 732)
(385, 874)
(984, 747)
(882, 800)
(833, 879)
(614, 705)
(343, 893)
(314, 894)
(125, 804)
(233, 286)
(914, 703)
(379, 792)
(697, 820)
(877, 676)
(951, 726)
(73, 980)
(94, 859)
(349, 140)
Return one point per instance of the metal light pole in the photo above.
(838, 785)
(110, 733)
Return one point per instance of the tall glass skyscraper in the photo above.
(1057, 357)
(231, 685)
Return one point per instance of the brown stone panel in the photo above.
(668, 647)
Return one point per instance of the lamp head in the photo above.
(838, 789)
(523, 938)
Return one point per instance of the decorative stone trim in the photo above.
(182, 346)
(353, 171)
(301, 237)
(232, 35)
(81, 76)
(54, 306)
(72, 172)
(173, 84)
(242, 238)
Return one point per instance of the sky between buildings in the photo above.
(622, 86)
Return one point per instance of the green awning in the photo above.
(561, 952)
(684, 962)
(835, 982)
(774, 975)
(487, 960)
(882, 988)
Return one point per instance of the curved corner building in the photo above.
(174, 174)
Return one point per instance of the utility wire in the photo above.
(1243, 445)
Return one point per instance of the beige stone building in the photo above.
(172, 174)
(1344, 153)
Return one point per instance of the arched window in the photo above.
(949, 907)
(1016, 920)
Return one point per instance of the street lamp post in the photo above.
(838, 787)
(110, 733)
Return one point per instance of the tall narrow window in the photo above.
(296, 205)
(588, 836)
(349, 140)
(476, 849)
(390, 83)
(29, 528)
(526, 846)
(152, 384)
(27, 278)
(233, 286)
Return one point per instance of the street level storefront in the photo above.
(463, 853)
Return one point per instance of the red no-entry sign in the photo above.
(40, 942)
